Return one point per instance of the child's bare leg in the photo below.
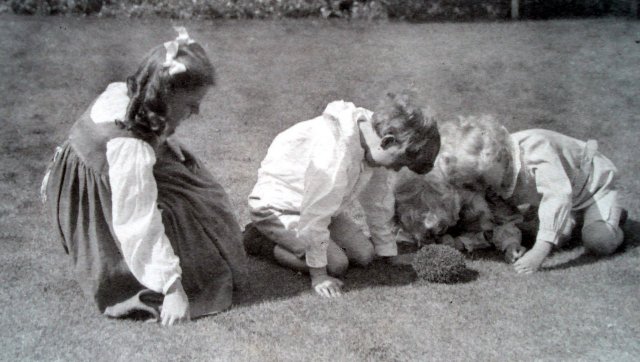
(288, 259)
(337, 262)
(601, 233)
(348, 235)
(532, 259)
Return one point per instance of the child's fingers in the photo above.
(522, 268)
(321, 291)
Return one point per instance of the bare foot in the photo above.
(532, 259)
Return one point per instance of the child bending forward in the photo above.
(315, 169)
(430, 210)
(566, 179)
(147, 233)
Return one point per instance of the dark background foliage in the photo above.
(413, 10)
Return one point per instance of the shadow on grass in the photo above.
(269, 281)
(631, 242)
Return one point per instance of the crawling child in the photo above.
(566, 179)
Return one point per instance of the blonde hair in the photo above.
(426, 205)
(470, 147)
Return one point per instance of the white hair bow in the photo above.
(170, 62)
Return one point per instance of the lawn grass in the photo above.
(579, 77)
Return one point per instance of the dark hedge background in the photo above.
(413, 10)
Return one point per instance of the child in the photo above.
(142, 227)
(562, 176)
(315, 169)
(430, 210)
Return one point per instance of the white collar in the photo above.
(111, 104)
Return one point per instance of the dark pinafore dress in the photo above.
(196, 214)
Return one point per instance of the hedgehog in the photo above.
(439, 263)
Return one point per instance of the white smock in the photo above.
(317, 168)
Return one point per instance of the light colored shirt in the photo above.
(137, 222)
(557, 174)
(317, 168)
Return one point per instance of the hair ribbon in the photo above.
(174, 66)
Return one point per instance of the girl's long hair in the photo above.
(151, 87)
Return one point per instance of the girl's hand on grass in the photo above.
(175, 307)
(514, 252)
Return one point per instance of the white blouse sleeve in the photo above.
(378, 203)
(325, 185)
(136, 218)
(553, 184)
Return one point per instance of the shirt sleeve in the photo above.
(136, 218)
(378, 204)
(553, 184)
(325, 185)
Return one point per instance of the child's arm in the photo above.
(175, 307)
(324, 189)
(378, 203)
(553, 184)
(136, 219)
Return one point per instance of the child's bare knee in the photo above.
(337, 261)
(601, 238)
(338, 267)
(364, 256)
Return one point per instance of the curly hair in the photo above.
(426, 205)
(471, 146)
(151, 86)
(398, 116)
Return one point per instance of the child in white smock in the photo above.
(316, 168)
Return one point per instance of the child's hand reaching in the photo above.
(325, 285)
(532, 259)
(514, 252)
(175, 307)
